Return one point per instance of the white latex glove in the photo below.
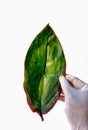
(76, 101)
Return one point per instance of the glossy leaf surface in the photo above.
(44, 63)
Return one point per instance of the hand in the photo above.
(76, 101)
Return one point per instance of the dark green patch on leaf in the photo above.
(44, 63)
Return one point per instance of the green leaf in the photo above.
(44, 63)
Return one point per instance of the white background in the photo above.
(20, 22)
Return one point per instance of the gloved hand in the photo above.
(76, 101)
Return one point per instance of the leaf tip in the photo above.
(48, 25)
